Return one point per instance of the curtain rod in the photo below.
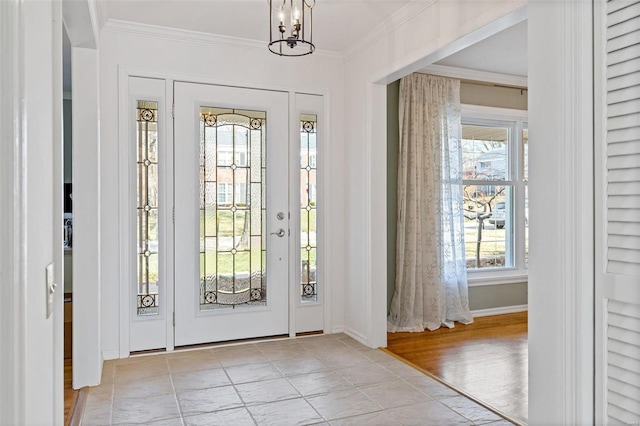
(486, 83)
(522, 89)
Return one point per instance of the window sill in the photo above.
(495, 277)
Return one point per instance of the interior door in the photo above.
(231, 213)
(617, 75)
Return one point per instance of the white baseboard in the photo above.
(499, 311)
(355, 335)
(107, 355)
(337, 329)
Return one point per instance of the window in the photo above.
(495, 190)
(225, 191)
(232, 207)
(233, 146)
(241, 194)
(147, 185)
(308, 207)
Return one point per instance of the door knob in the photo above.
(280, 233)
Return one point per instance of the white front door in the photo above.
(231, 213)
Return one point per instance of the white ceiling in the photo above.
(502, 53)
(337, 23)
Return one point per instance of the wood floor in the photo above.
(70, 395)
(487, 359)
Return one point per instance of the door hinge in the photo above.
(174, 319)
(173, 110)
(173, 215)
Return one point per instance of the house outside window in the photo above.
(232, 147)
(494, 149)
(225, 193)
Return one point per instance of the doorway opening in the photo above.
(495, 177)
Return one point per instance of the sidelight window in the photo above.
(147, 207)
(308, 207)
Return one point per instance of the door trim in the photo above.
(561, 283)
(324, 179)
(13, 142)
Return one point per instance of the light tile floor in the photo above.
(327, 379)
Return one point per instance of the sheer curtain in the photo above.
(431, 278)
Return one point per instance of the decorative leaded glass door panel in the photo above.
(231, 245)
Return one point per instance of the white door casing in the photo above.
(30, 114)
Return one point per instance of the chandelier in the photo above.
(291, 27)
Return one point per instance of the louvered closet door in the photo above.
(617, 91)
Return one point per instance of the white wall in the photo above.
(30, 349)
(429, 32)
(358, 254)
(80, 23)
(38, 87)
(87, 254)
(179, 55)
(11, 313)
(39, 331)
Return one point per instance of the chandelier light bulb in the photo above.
(281, 27)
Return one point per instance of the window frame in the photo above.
(515, 121)
(227, 191)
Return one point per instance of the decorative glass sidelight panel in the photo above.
(308, 205)
(232, 208)
(147, 207)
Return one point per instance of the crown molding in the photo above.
(475, 75)
(381, 30)
(79, 20)
(102, 13)
(396, 20)
(96, 18)
(148, 30)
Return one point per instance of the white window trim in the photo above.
(240, 192)
(517, 273)
(494, 277)
(494, 113)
